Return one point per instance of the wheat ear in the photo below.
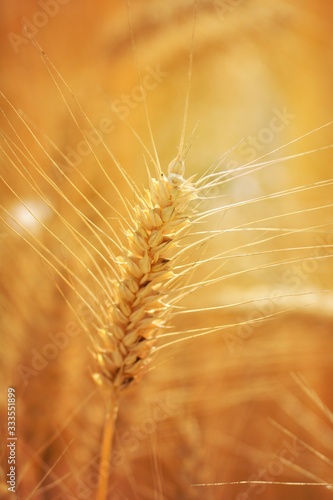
(139, 307)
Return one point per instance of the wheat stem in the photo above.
(107, 444)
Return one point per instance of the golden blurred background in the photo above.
(253, 399)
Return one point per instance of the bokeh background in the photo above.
(253, 399)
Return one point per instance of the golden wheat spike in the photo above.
(139, 309)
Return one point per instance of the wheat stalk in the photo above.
(139, 308)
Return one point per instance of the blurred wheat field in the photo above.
(251, 397)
